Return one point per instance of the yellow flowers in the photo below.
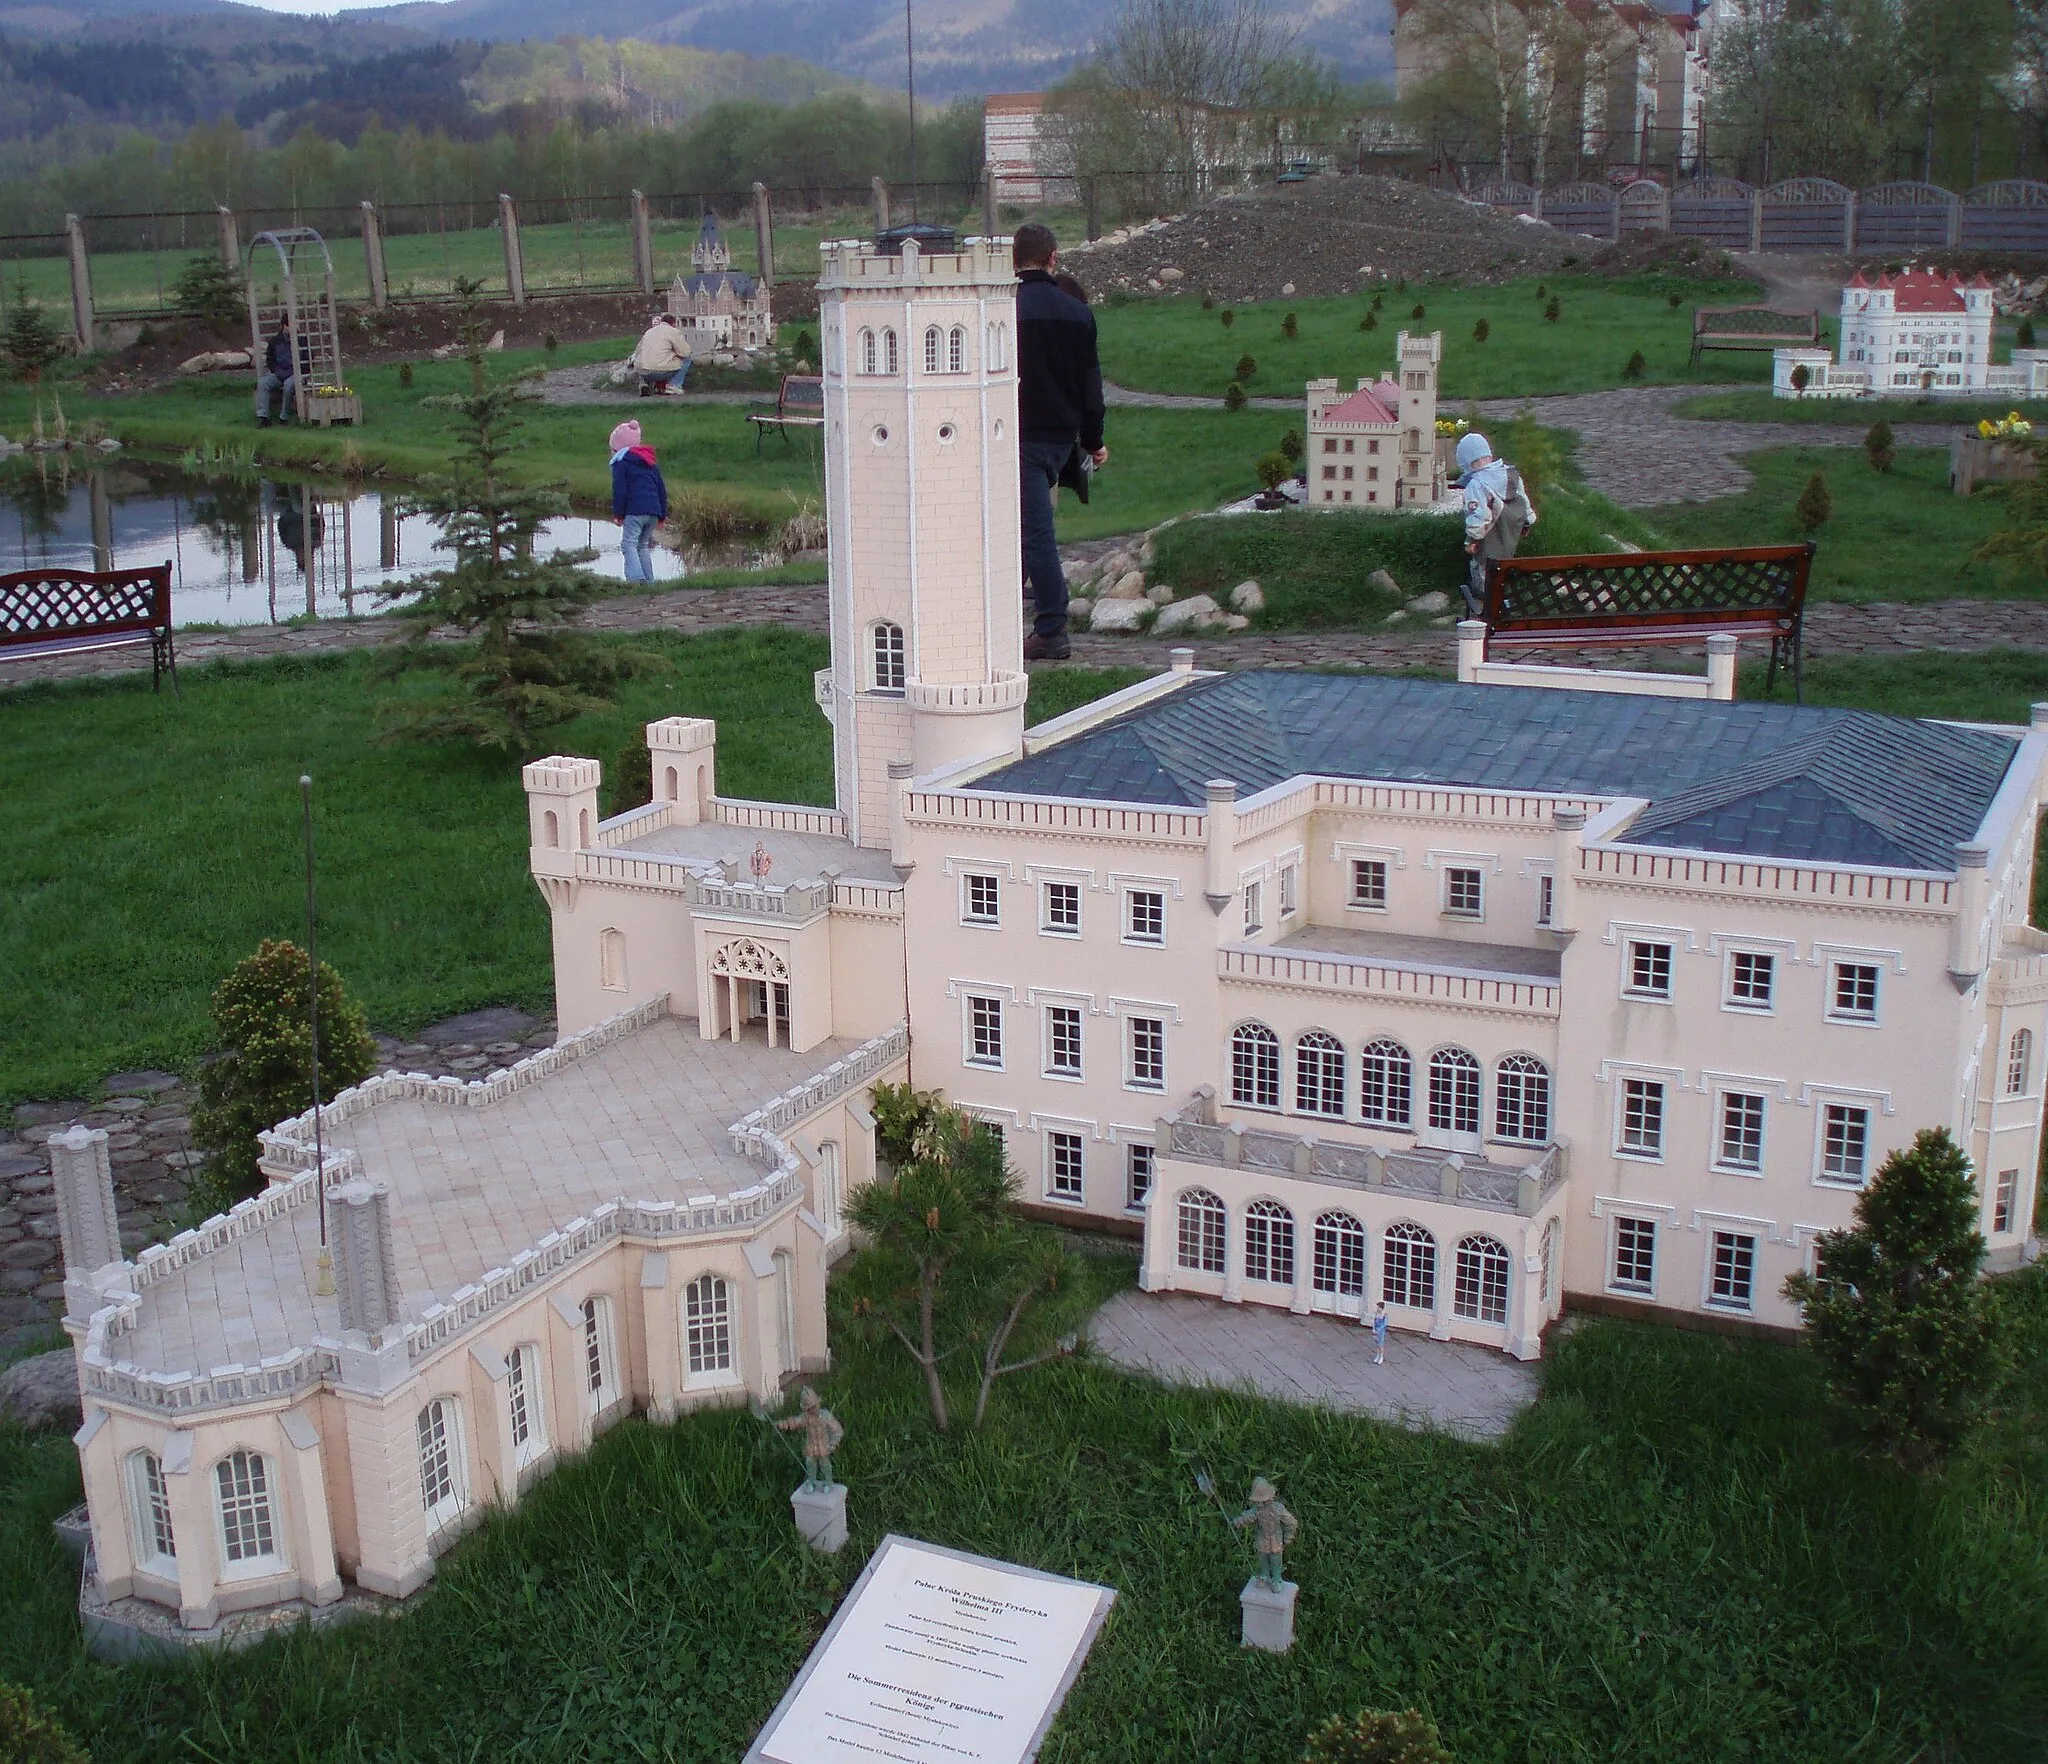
(1451, 425)
(333, 391)
(2012, 427)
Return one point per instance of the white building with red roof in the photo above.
(1375, 447)
(1919, 333)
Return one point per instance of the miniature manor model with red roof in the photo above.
(1918, 334)
(1376, 447)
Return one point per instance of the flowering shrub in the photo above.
(2011, 427)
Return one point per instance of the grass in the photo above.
(1170, 344)
(1895, 536)
(1756, 406)
(1670, 1557)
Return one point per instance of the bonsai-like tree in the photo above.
(1246, 367)
(1896, 1311)
(1418, 311)
(1228, 317)
(1292, 446)
(206, 289)
(1801, 376)
(1553, 309)
(1481, 331)
(1371, 321)
(1635, 367)
(264, 1072)
(525, 669)
(1877, 446)
(1290, 327)
(1377, 1736)
(1274, 469)
(1816, 506)
(1233, 396)
(30, 342)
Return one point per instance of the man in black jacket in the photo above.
(1059, 409)
(274, 384)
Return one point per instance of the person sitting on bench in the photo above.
(274, 384)
(1497, 512)
(662, 357)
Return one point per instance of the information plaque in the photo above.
(937, 1657)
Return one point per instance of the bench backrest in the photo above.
(1754, 323)
(800, 394)
(1740, 585)
(37, 605)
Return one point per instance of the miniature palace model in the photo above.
(1479, 999)
(1915, 334)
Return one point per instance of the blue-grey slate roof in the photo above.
(1799, 782)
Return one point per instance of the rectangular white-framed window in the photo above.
(1148, 1053)
(1635, 1255)
(149, 1501)
(1844, 1143)
(1546, 898)
(1138, 1166)
(1640, 1127)
(984, 1031)
(981, 899)
(1648, 974)
(600, 1356)
(1731, 1271)
(248, 1524)
(708, 1356)
(1064, 1167)
(524, 1401)
(1369, 884)
(2005, 1201)
(1254, 908)
(1853, 991)
(1145, 916)
(1464, 892)
(1751, 980)
(1059, 909)
(441, 1465)
(1289, 903)
(1063, 1041)
(1739, 1140)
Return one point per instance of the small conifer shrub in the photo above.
(1815, 507)
(1233, 396)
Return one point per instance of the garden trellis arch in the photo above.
(303, 291)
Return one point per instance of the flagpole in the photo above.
(323, 1276)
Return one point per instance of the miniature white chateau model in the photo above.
(1376, 447)
(1913, 335)
(720, 307)
(1473, 998)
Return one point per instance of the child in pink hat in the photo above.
(639, 499)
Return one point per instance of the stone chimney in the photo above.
(85, 1199)
(365, 1269)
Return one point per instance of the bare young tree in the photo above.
(1182, 62)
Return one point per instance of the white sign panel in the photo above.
(937, 1658)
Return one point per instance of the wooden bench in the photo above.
(62, 612)
(1751, 327)
(1630, 598)
(799, 404)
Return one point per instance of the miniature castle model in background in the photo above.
(1465, 998)
(1376, 447)
(1917, 334)
(718, 306)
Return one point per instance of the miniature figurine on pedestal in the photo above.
(1268, 1600)
(819, 1507)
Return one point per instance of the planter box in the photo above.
(326, 409)
(1972, 460)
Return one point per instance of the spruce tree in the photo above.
(206, 289)
(30, 342)
(524, 669)
(1877, 446)
(1896, 1310)
(1815, 507)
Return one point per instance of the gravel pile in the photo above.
(1326, 235)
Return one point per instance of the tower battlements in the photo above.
(855, 263)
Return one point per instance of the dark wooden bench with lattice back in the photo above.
(1632, 598)
(62, 612)
(1751, 327)
(799, 404)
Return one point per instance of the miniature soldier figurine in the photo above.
(822, 1433)
(1274, 1528)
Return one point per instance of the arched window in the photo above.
(600, 1374)
(2019, 1062)
(523, 1399)
(707, 1326)
(440, 1440)
(1319, 1074)
(552, 823)
(611, 959)
(931, 349)
(1480, 1293)
(1453, 1091)
(582, 827)
(1200, 1217)
(150, 1502)
(890, 667)
(891, 364)
(1339, 1264)
(1269, 1243)
(956, 350)
(248, 1528)
(785, 1311)
(829, 1197)
(998, 348)
(1386, 1084)
(671, 785)
(1549, 1256)
(1521, 1099)
(1408, 1268)
(868, 359)
(1255, 1067)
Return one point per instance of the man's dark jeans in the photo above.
(1040, 463)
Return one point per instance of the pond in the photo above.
(252, 548)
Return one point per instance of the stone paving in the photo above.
(1327, 1361)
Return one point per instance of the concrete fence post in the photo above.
(643, 244)
(764, 236)
(81, 279)
(515, 264)
(881, 205)
(1756, 220)
(373, 257)
(1849, 223)
(1955, 221)
(230, 239)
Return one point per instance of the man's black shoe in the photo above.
(1040, 648)
(263, 422)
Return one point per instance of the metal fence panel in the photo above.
(2010, 215)
(1645, 207)
(1582, 208)
(1903, 217)
(1805, 214)
(1718, 210)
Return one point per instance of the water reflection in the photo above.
(247, 549)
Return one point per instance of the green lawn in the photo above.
(1758, 406)
(1170, 344)
(1671, 1557)
(1895, 536)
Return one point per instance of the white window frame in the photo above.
(1385, 868)
(1836, 962)
(1821, 1106)
(992, 921)
(1664, 1088)
(1476, 915)
(2005, 1198)
(1612, 1280)
(968, 1056)
(1254, 906)
(597, 1336)
(712, 1376)
(1630, 943)
(1546, 898)
(1717, 1160)
(1139, 1151)
(1278, 1050)
(898, 656)
(1052, 1136)
(524, 1381)
(1046, 926)
(444, 1413)
(1063, 1074)
(1778, 959)
(1132, 1080)
(1129, 934)
(267, 1561)
(2021, 1038)
(1709, 1271)
(1287, 887)
(146, 1505)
